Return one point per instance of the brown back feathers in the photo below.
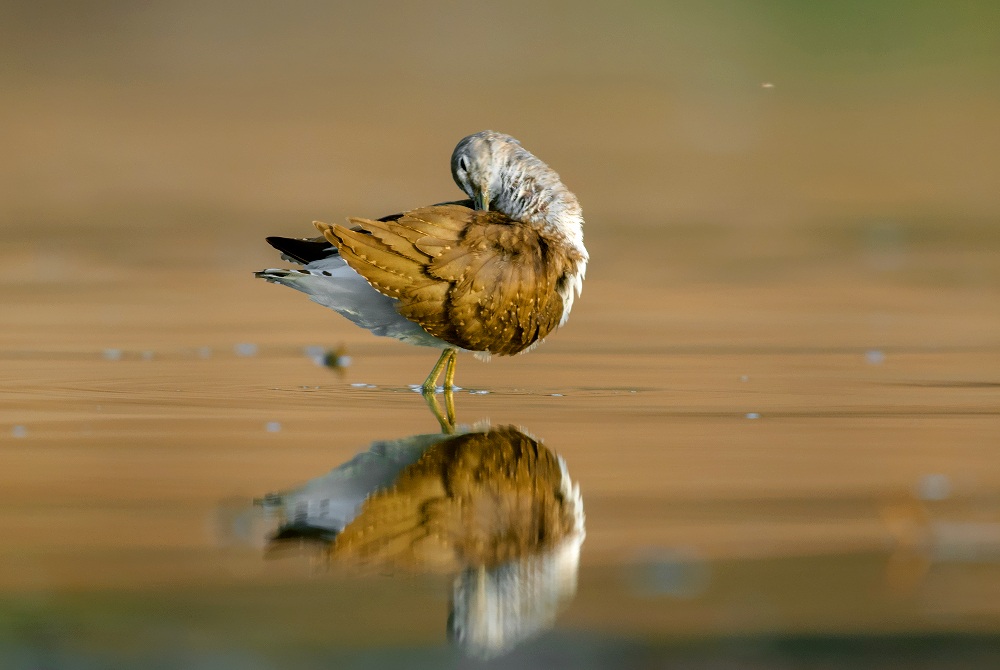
(477, 280)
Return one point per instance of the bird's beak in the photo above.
(482, 200)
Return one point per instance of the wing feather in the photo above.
(399, 239)
(477, 280)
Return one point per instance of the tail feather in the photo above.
(349, 294)
(303, 251)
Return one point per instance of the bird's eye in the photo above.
(463, 164)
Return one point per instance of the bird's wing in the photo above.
(464, 203)
(475, 279)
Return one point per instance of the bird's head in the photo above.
(477, 165)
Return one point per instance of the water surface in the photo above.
(778, 393)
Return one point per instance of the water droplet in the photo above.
(245, 349)
(934, 487)
(753, 415)
(273, 427)
(112, 354)
(874, 357)
(680, 573)
(19, 431)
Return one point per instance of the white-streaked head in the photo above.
(477, 163)
(499, 174)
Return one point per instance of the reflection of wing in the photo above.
(494, 507)
(480, 499)
(322, 507)
(477, 280)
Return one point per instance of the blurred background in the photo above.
(139, 116)
(779, 391)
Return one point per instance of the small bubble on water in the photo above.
(752, 415)
(19, 431)
(681, 574)
(273, 426)
(557, 395)
(359, 385)
(112, 354)
(874, 357)
(934, 487)
(147, 355)
(245, 349)
(744, 378)
(204, 352)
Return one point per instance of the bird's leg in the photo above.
(447, 421)
(430, 384)
(449, 371)
(445, 362)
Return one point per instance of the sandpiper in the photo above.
(494, 274)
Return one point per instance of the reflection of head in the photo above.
(494, 609)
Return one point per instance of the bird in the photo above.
(493, 274)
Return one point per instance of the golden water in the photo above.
(779, 392)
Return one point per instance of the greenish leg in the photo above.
(449, 372)
(430, 384)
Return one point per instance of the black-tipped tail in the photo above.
(303, 251)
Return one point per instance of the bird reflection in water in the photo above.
(492, 506)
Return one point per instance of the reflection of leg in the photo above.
(447, 422)
(449, 372)
(449, 405)
(430, 384)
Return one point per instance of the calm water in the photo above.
(778, 395)
(793, 470)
